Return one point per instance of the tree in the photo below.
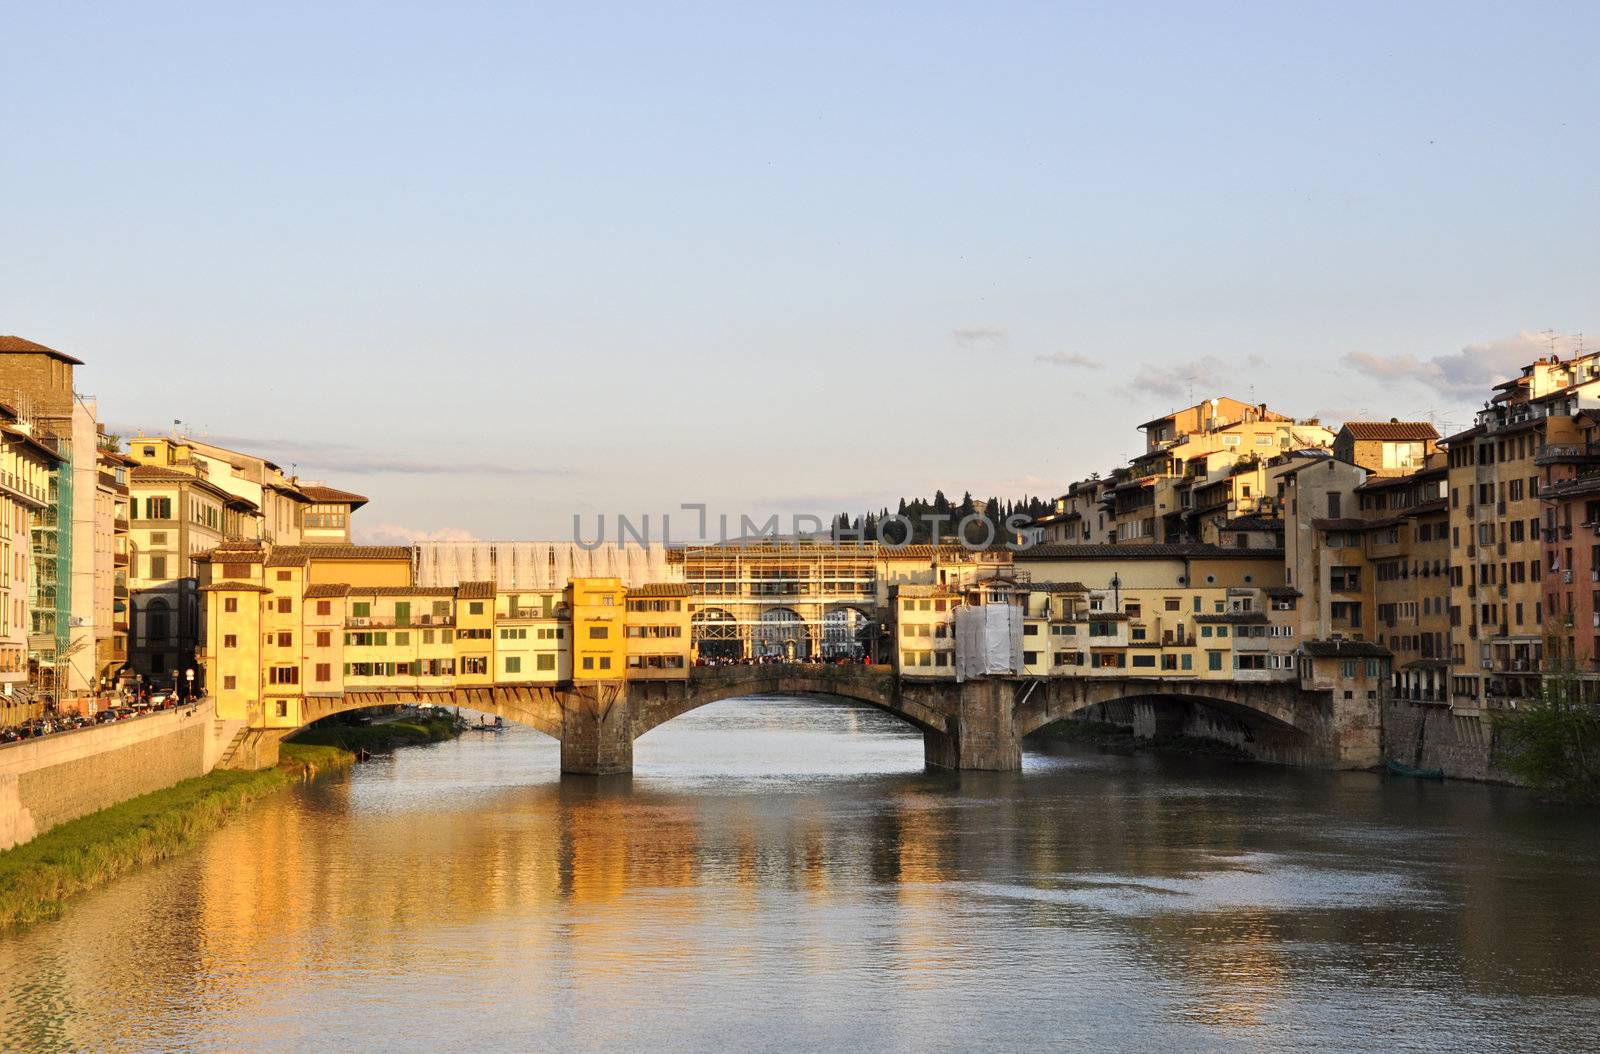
(1553, 744)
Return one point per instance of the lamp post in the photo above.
(188, 677)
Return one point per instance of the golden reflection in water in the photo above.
(923, 941)
(1234, 966)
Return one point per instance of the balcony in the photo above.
(392, 622)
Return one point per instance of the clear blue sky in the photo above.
(497, 265)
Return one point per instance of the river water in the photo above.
(782, 874)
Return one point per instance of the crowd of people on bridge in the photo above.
(784, 660)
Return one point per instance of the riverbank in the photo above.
(39, 876)
(1119, 739)
(377, 738)
(36, 878)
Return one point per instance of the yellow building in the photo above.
(925, 640)
(599, 645)
(25, 467)
(657, 628)
(532, 642)
(474, 634)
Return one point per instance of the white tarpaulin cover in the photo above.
(988, 641)
(540, 565)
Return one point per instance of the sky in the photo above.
(501, 266)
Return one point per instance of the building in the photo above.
(1386, 448)
(27, 466)
(112, 554)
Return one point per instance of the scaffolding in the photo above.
(538, 566)
(791, 602)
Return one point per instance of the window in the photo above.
(324, 672)
(229, 683)
(1213, 660)
(361, 609)
(324, 639)
(158, 567)
(230, 604)
(599, 632)
(285, 605)
(545, 661)
(605, 662)
(284, 576)
(230, 640)
(475, 607)
(286, 640)
(588, 662)
(284, 675)
(513, 664)
(324, 607)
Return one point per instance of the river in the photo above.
(783, 874)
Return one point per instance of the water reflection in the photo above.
(784, 874)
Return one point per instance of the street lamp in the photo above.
(188, 676)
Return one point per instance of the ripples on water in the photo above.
(783, 874)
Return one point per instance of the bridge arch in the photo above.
(653, 704)
(536, 707)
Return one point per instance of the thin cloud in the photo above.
(1069, 359)
(1466, 374)
(980, 339)
(343, 459)
(1173, 381)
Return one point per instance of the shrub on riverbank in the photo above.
(81, 854)
(1553, 744)
(386, 735)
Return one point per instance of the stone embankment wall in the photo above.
(55, 778)
(1431, 737)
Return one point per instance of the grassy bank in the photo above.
(81, 854)
(388, 735)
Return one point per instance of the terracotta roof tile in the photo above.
(231, 586)
(475, 591)
(326, 590)
(332, 496)
(661, 589)
(295, 555)
(1390, 431)
(22, 344)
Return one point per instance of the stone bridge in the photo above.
(978, 724)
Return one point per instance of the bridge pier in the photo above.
(982, 729)
(597, 729)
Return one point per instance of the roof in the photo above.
(400, 591)
(1052, 587)
(1389, 431)
(1281, 592)
(163, 474)
(475, 591)
(232, 586)
(1344, 649)
(1236, 618)
(294, 555)
(332, 496)
(325, 590)
(24, 345)
(1347, 523)
(661, 589)
(1057, 551)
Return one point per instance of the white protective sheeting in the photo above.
(988, 641)
(533, 566)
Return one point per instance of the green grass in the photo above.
(82, 854)
(409, 731)
(311, 758)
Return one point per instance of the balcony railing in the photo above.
(392, 622)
